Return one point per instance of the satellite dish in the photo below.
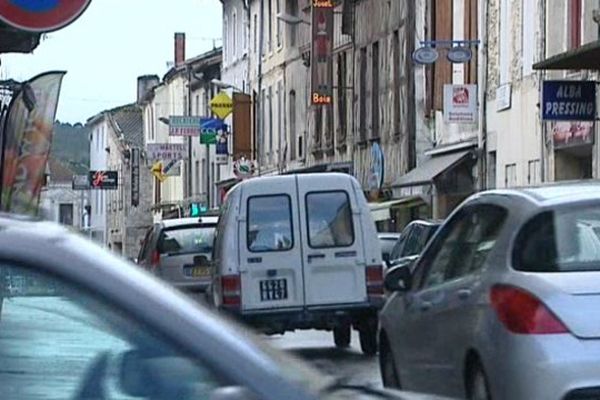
(425, 55)
(459, 54)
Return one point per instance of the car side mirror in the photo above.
(398, 279)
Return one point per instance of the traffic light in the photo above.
(197, 209)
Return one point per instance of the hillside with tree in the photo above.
(70, 146)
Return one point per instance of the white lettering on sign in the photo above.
(569, 108)
(568, 92)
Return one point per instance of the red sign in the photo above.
(41, 15)
(321, 59)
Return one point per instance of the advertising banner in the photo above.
(104, 180)
(572, 133)
(27, 138)
(321, 54)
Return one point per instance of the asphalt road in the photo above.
(318, 349)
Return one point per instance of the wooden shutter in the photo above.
(442, 69)
(242, 126)
(471, 33)
(574, 23)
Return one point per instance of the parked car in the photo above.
(413, 239)
(180, 251)
(300, 252)
(387, 240)
(86, 324)
(504, 302)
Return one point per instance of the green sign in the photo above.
(208, 136)
(196, 210)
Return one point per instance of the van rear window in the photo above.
(269, 223)
(329, 219)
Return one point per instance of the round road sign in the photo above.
(41, 15)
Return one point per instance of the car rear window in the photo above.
(560, 241)
(329, 219)
(187, 239)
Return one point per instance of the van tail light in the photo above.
(231, 289)
(523, 313)
(374, 275)
(155, 259)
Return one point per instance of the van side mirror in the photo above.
(398, 279)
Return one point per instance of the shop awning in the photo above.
(430, 169)
(583, 57)
(381, 211)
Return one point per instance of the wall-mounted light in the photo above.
(457, 51)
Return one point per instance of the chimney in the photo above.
(179, 49)
(145, 84)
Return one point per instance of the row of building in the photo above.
(387, 125)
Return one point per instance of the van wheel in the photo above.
(368, 339)
(341, 336)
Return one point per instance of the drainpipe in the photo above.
(482, 72)
(259, 88)
(541, 77)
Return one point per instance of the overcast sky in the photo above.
(113, 43)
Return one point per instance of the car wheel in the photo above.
(389, 375)
(368, 339)
(341, 336)
(478, 388)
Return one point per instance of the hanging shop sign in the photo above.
(104, 180)
(135, 177)
(376, 169)
(81, 182)
(460, 104)
(166, 151)
(321, 53)
(184, 126)
(244, 168)
(569, 101)
(221, 105)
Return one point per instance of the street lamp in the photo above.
(164, 120)
(291, 19)
(225, 85)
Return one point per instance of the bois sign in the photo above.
(41, 15)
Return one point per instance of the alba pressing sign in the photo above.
(569, 101)
(460, 104)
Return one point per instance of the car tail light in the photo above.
(231, 287)
(374, 275)
(155, 259)
(523, 313)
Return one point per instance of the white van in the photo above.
(300, 252)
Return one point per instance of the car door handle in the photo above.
(425, 306)
(464, 294)
(317, 255)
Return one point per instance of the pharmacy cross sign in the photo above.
(41, 15)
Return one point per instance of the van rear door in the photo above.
(333, 254)
(270, 253)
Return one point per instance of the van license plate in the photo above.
(273, 289)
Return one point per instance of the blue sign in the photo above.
(569, 101)
(376, 168)
(210, 129)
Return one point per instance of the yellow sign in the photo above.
(157, 171)
(221, 105)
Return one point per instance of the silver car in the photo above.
(504, 302)
(180, 251)
(80, 323)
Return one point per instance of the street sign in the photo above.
(41, 15)
(104, 180)
(243, 168)
(221, 105)
(210, 128)
(157, 171)
(166, 151)
(135, 177)
(569, 101)
(81, 182)
(184, 126)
